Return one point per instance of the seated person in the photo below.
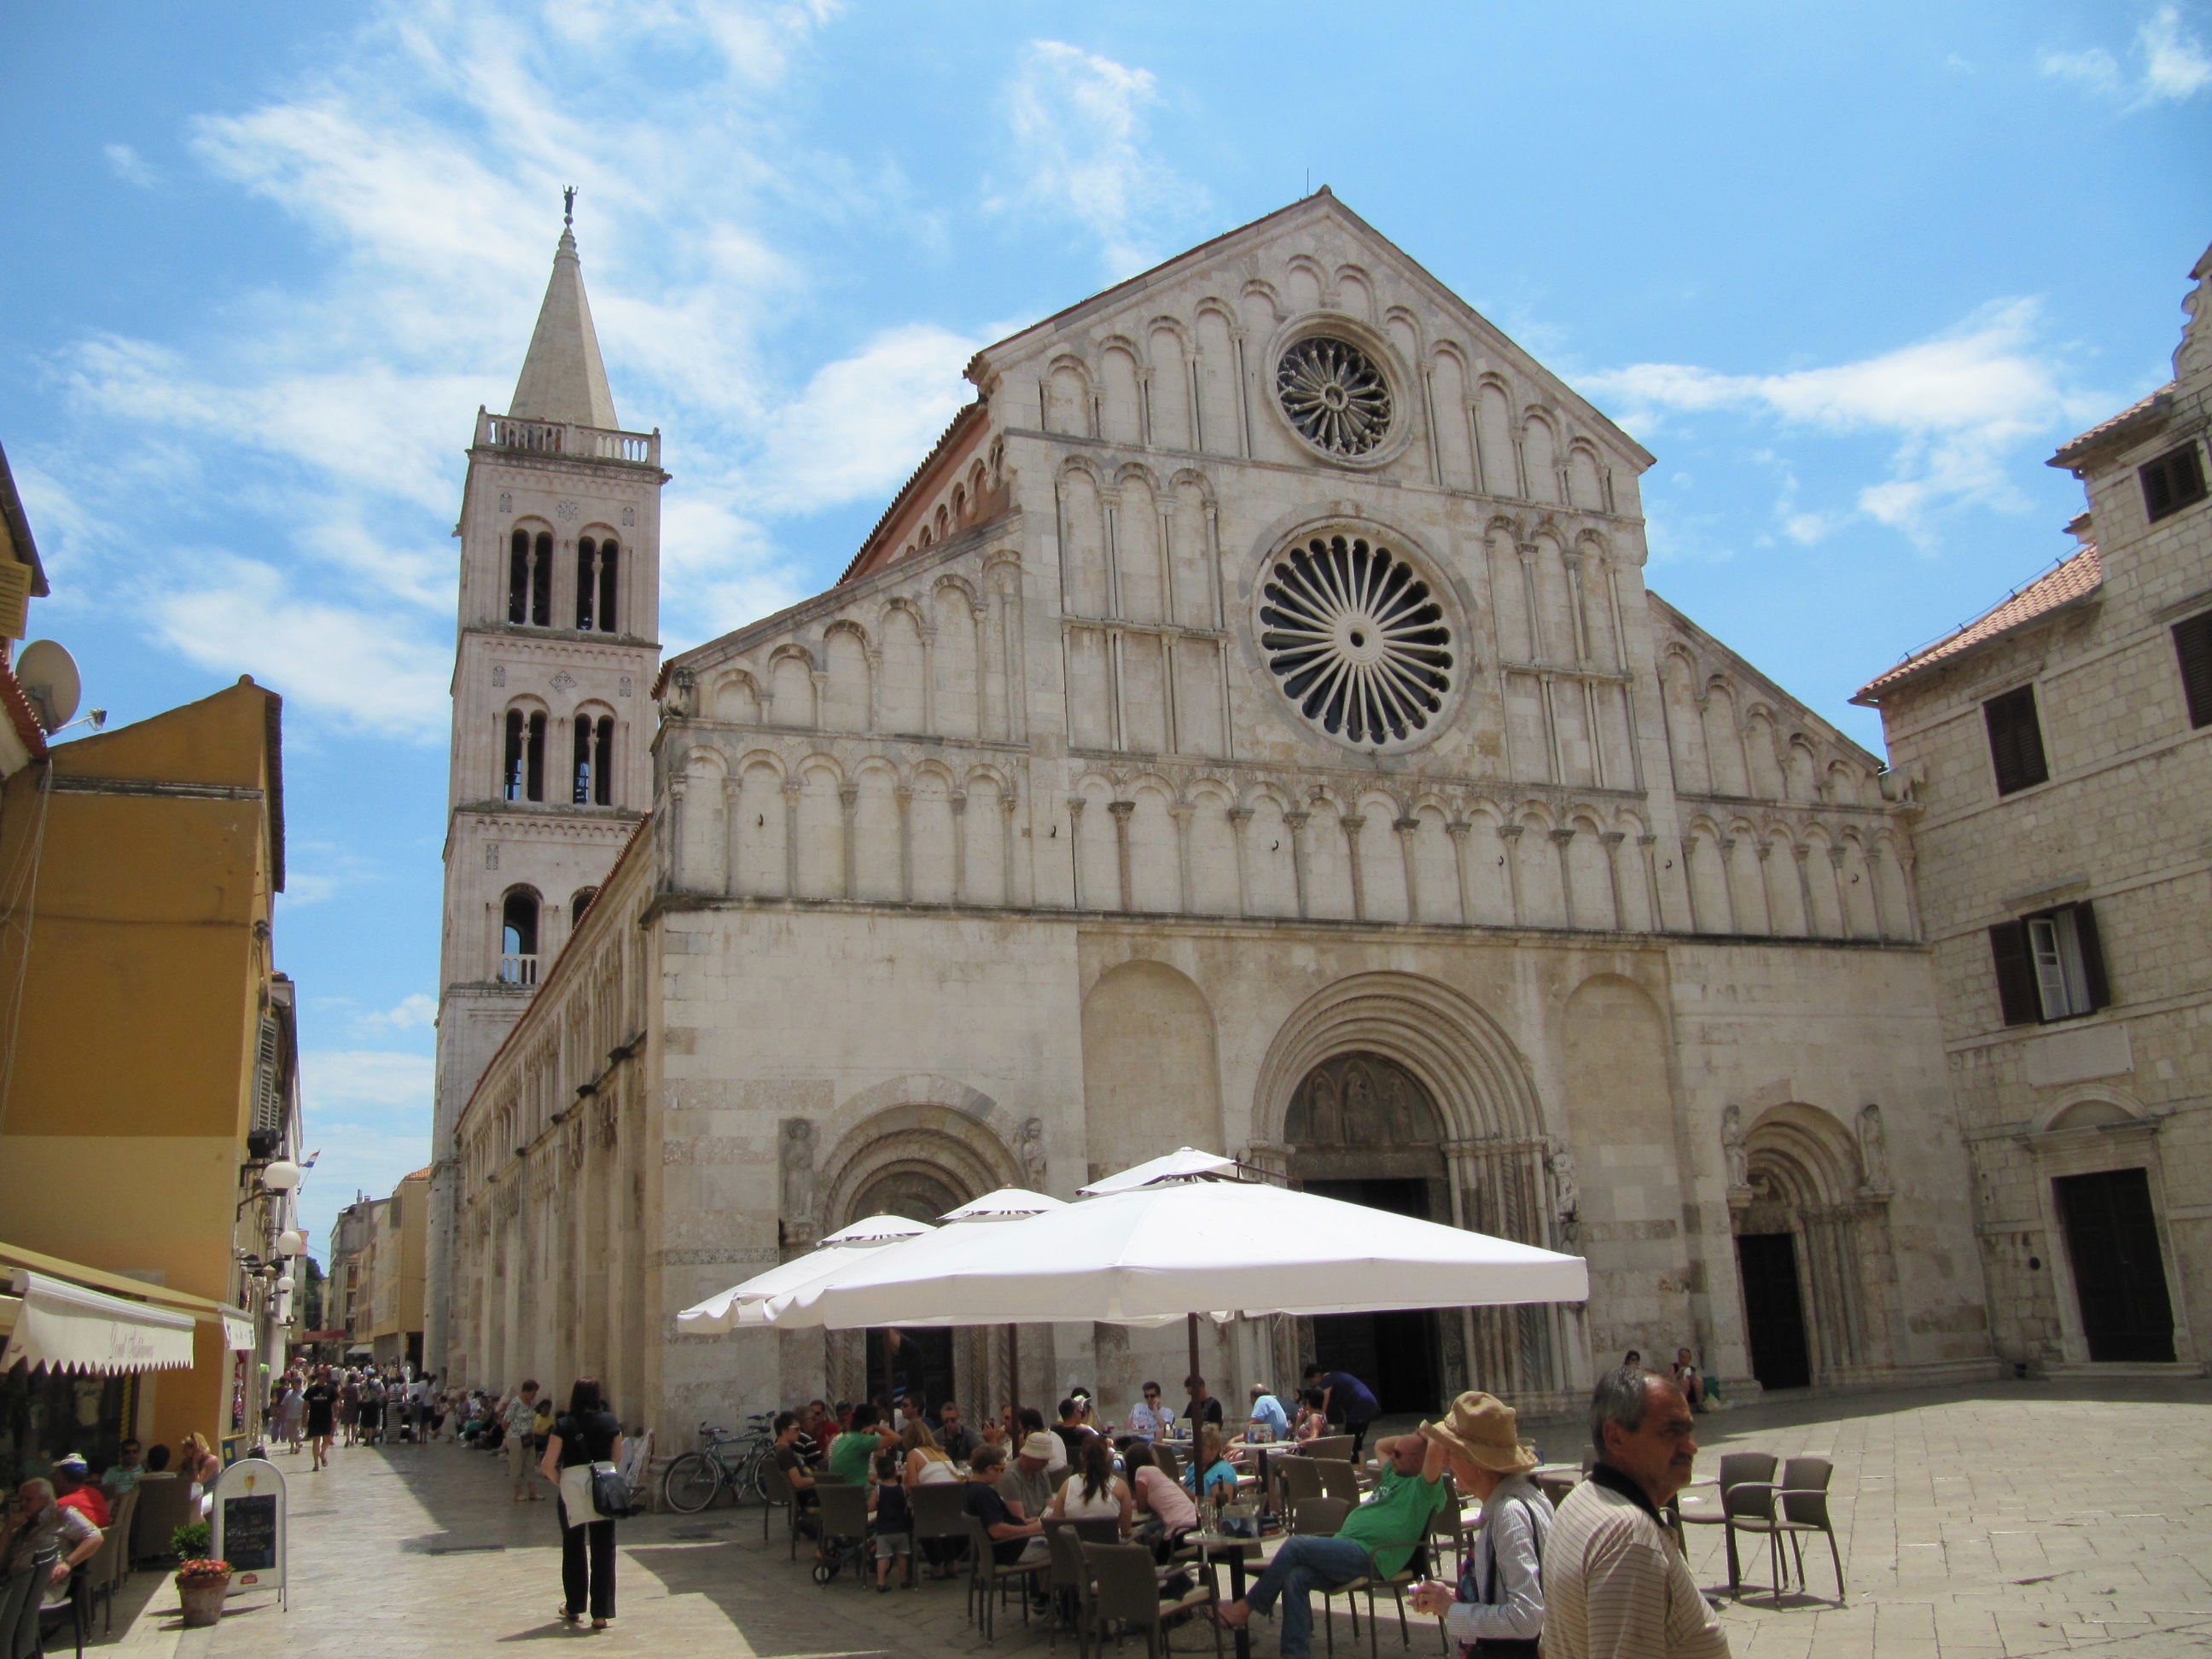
(1014, 1541)
(1689, 1380)
(1070, 1429)
(122, 1475)
(1213, 1477)
(953, 1434)
(1149, 1420)
(1094, 1491)
(1313, 1417)
(853, 1451)
(798, 1472)
(1203, 1408)
(1029, 1422)
(1166, 1509)
(1376, 1540)
(1027, 1486)
(1268, 1417)
(73, 1490)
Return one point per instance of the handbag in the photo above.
(610, 1493)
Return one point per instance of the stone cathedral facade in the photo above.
(1247, 728)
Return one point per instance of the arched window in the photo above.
(524, 778)
(529, 579)
(594, 780)
(597, 563)
(518, 938)
(581, 903)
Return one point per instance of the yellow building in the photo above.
(146, 1058)
(389, 1311)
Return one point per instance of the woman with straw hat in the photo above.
(1497, 1610)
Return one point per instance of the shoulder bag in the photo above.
(1507, 1647)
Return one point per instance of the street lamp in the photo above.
(292, 1241)
(280, 1176)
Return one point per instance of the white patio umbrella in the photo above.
(1008, 1204)
(739, 1305)
(1183, 1161)
(1158, 1253)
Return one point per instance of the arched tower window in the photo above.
(518, 938)
(524, 778)
(529, 579)
(581, 903)
(597, 565)
(594, 767)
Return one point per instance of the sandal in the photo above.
(564, 1616)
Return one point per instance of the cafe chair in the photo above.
(76, 1609)
(989, 1580)
(165, 1503)
(1169, 1460)
(778, 1493)
(110, 1569)
(1126, 1591)
(1746, 1491)
(1319, 1517)
(1338, 1446)
(1297, 1479)
(1804, 1499)
(1340, 1479)
(843, 1511)
(1071, 1585)
(940, 1525)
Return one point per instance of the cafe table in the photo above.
(1259, 1451)
(1216, 1546)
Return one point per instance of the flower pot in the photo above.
(203, 1598)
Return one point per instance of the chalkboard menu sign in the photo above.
(249, 1526)
(249, 1533)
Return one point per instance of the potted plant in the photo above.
(202, 1584)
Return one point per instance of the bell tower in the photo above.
(553, 672)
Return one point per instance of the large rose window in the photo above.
(1356, 639)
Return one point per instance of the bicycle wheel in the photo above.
(751, 1483)
(691, 1482)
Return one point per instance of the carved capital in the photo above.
(1122, 808)
(1406, 826)
(1240, 816)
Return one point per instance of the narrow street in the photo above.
(2019, 1520)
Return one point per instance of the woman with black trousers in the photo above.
(588, 1434)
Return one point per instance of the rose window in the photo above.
(1335, 395)
(1356, 639)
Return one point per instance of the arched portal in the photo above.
(1812, 1252)
(1445, 1104)
(1362, 1127)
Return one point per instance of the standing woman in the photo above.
(291, 1408)
(350, 1406)
(322, 1404)
(588, 1434)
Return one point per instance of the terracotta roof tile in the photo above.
(2074, 578)
(2068, 452)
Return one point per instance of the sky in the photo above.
(1851, 274)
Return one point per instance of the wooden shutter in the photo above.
(2171, 481)
(2021, 1003)
(2192, 644)
(2016, 740)
(2092, 955)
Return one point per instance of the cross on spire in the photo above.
(568, 206)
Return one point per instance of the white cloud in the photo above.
(361, 1081)
(368, 1120)
(127, 165)
(1079, 123)
(348, 663)
(864, 422)
(2173, 65)
(418, 1010)
(1959, 406)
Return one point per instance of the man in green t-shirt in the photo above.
(851, 1453)
(1377, 1540)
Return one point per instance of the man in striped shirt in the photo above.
(1616, 1585)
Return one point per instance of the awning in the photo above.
(67, 1327)
(237, 1332)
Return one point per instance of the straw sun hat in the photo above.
(1482, 1427)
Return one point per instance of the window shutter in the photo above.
(2016, 740)
(2171, 481)
(2192, 644)
(2016, 992)
(2092, 955)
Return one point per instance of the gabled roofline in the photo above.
(983, 367)
(1956, 647)
(18, 528)
(956, 433)
(1751, 672)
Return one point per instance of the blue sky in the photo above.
(1850, 272)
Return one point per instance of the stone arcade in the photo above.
(1248, 727)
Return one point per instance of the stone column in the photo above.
(1407, 828)
(1612, 840)
(1298, 822)
(1082, 901)
(1351, 825)
(1509, 835)
(960, 847)
(1179, 812)
(733, 863)
(1561, 838)
(903, 794)
(1007, 806)
(1120, 810)
(1457, 830)
(792, 787)
(848, 812)
(1238, 817)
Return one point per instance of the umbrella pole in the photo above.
(1014, 1370)
(1194, 1371)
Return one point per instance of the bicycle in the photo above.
(738, 1462)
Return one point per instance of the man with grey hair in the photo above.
(1615, 1584)
(40, 1542)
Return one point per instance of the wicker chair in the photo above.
(1804, 1498)
(990, 1578)
(1125, 1589)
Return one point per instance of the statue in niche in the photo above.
(1733, 1147)
(1873, 1152)
(1567, 1195)
(796, 1150)
(1359, 1121)
(1028, 1146)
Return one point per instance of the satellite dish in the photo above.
(49, 677)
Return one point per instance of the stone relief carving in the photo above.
(506, 500)
(1733, 1148)
(1030, 1148)
(630, 517)
(563, 681)
(796, 1150)
(1873, 1150)
(1566, 1195)
(682, 686)
(1360, 1100)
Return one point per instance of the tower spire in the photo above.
(562, 377)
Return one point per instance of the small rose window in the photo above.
(1334, 394)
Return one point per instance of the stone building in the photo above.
(2059, 752)
(1247, 728)
(559, 607)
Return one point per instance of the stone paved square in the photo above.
(2018, 1520)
